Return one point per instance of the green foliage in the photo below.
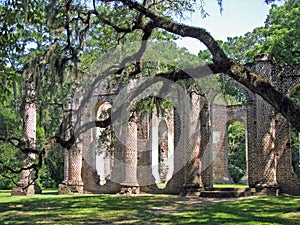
(205, 55)
(295, 95)
(227, 93)
(279, 37)
(283, 31)
(236, 150)
(9, 157)
(10, 126)
(241, 48)
(52, 172)
(164, 56)
(245, 48)
(28, 32)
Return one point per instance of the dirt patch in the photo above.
(182, 203)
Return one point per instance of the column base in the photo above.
(64, 189)
(193, 189)
(22, 191)
(245, 178)
(129, 189)
(267, 189)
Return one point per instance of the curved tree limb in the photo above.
(222, 63)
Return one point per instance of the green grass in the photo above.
(50, 208)
(230, 186)
(161, 186)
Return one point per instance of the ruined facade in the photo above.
(222, 116)
(268, 144)
(185, 149)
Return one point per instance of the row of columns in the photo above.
(189, 147)
(73, 166)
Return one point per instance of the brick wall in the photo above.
(198, 147)
(222, 116)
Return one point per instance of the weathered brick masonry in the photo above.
(182, 148)
(222, 115)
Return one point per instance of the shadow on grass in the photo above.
(163, 209)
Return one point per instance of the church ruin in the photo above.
(185, 149)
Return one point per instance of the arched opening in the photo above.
(163, 152)
(294, 135)
(104, 148)
(228, 112)
(237, 152)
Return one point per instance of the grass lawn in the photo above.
(51, 208)
(230, 186)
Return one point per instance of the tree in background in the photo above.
(49, 43)
(279, 37)
(236, 150)
(282, 32)
(31, 66)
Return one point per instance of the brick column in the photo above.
(75, 165)
(195, 144)
(74, 184)
(175, 183)
(66, 166)
(130, 183)
(23, 188)
(144, 154)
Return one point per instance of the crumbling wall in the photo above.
(222, 115)
(269, 140)
(269, 153)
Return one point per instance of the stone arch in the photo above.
(246, 92)
(192, 124)
(99, 171)
(221, 115)
(267, 135)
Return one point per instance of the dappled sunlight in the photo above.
(150, 209)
